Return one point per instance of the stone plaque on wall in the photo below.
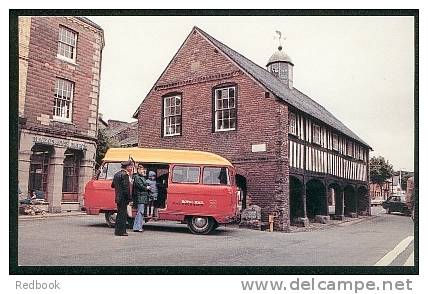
(258, 147)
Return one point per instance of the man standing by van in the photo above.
(122, 187)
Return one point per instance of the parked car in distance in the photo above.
(396, 203)
(376, 202)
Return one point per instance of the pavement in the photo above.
(86, 240)
(50, 215)
(293, 229)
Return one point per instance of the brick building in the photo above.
(380, 192)
(59, 76)
(122, 134)
(294, 158)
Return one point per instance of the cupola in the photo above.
(281, 65)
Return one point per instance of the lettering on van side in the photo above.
(191, 202)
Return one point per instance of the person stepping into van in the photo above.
(140, 197)
(153, 194)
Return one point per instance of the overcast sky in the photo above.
(361, 69)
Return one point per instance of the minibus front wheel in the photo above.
(201, 225)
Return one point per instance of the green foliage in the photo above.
(103, 144)
(380, 170)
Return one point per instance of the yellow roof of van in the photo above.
(148, 155)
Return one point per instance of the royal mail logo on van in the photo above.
(213, 203)
(192, 202)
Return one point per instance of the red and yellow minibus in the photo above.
(195, 187)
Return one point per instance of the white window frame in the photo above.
(335, 142)
(60, 96)
(167, 115)
(292, 124)
(223, 109)
(71, 42)
(316, 134)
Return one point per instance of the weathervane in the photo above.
(279, 37)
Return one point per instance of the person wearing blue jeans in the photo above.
(140, 196)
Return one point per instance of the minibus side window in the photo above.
(185, 174)
(108, 170)
(113, 167)
(216, 176)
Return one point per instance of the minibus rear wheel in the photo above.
(200, 225)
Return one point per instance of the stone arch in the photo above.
(350, 200)
(296, 199)
(363, 200)
(316, 198)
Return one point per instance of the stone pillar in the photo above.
(23, 170)
(24, 154)
(280, 207)
(356, 200)
(86, 172)
(326, 198)
(305, 214)
(340, 205)
(56, 171)
(303, 220)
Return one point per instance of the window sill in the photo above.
(62, 120)
(170, 136)
(224, 130)
(68, 60)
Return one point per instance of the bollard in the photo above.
(271, 217)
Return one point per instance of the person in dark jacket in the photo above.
(140, 197)
(121, 185)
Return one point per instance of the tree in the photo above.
(380, 171)
(103, 144)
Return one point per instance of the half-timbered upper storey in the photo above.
(316, 147)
